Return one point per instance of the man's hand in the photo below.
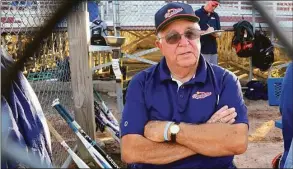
(217, 34)
(154, 130)
(210, 29)
(223, 115)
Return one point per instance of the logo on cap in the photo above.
(172, 12)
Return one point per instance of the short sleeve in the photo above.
(232, 96)
(134, 115)
(197, 12)
(218, 22)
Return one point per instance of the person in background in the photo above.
(93, 9)
(286, 109)
(209, 21)
(24, 123)
(289, 159)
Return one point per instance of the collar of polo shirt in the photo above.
(179, 83)
(200, 76)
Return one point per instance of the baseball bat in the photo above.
(106, 110)
(106, 124)
(103, 159)
(103, 115)
(79, 162)
(98, 158)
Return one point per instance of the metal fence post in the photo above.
(250, 59)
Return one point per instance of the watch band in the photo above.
(173, 136)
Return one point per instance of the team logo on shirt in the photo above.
(125, 123)
(201, 95)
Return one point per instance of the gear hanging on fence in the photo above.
(263, 51)
(242, 40)
(256, 45)
(98, 32)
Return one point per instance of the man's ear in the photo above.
(158, 44)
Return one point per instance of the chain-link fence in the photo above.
(48, 70)
(136, 19)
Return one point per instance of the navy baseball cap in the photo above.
(172, 11)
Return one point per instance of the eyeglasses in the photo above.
(174, 37)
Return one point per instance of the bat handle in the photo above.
(64, 114)
(98, 95)
(62, 111)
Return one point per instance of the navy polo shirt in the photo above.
(153, 95)
(208, 42)
(286, 108)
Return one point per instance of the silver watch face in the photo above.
(174, 129)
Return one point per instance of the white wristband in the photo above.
(166, 130)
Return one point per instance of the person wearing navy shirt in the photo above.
(23, 120)
(182, 112)
(209, 20)
(286, 109)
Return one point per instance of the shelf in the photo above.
(98, 48)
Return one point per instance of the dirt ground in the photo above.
(265, 140)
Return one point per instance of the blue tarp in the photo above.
(26, 123)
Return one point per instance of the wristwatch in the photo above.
(174, 130)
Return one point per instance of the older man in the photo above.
(209, 20)
(181, 113)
